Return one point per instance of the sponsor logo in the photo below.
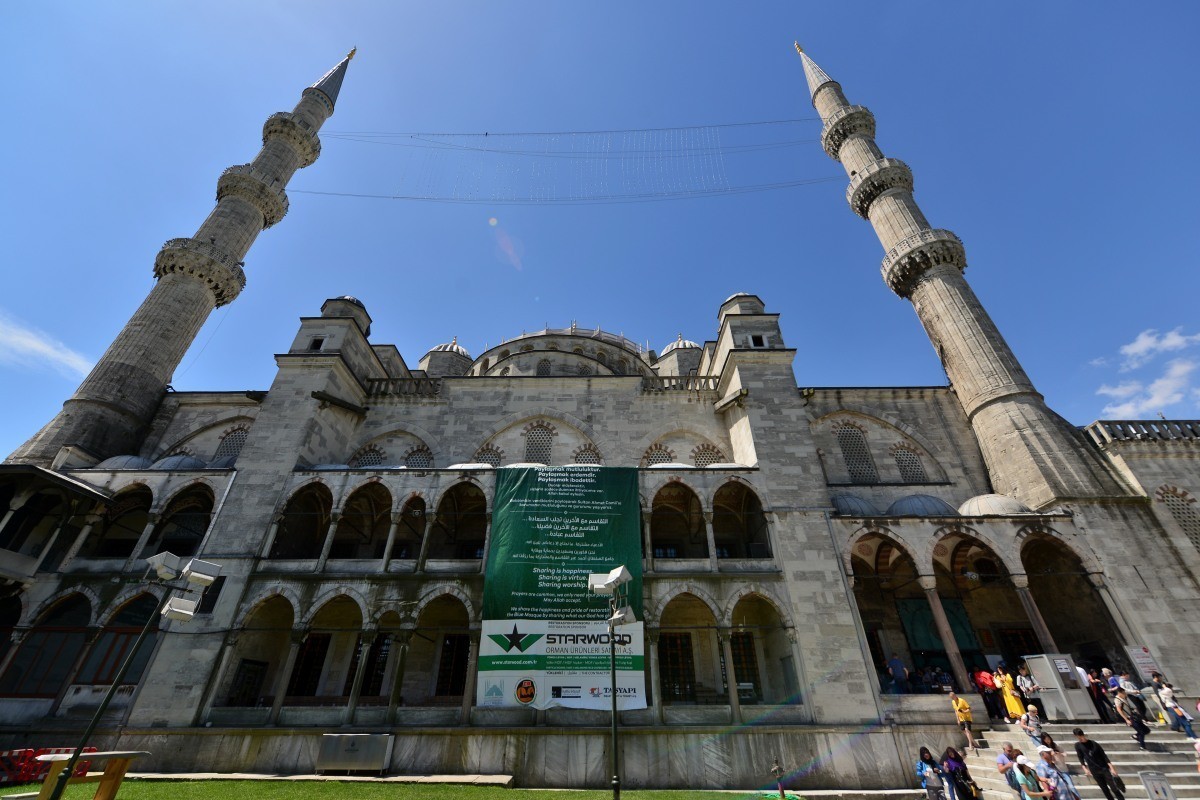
(526, 691)
(515, 640)
(605, 691)
(493, 689)
(622, 639)
(561, 692)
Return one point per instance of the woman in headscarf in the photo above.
(958, 780)
(930, 774)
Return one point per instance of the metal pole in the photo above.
(612, 650)
(65, 775)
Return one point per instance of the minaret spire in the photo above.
(110, 410)
(1032, 453)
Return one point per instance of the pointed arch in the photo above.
(282, 591)
(331, 594)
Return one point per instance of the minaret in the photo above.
(111, 408)
(1032, 453)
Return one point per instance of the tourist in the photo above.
(958, 779)
(1028, 784)
(1177, 716)
(962, 714)
(1098, 691)
(1059, 758)
(987, 687)
(1006, 765)
(1012, 703)
(1095, 763)
(1029, 689)
(1134, 693)
(899, 674)
(1031, 723)
(1132, 717)
(930, 774)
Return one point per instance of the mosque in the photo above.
(792, 538)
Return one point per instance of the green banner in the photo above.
(545, 635)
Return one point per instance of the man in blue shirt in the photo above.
(899, 674)
(1052, 778)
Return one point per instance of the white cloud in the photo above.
(1140, 400)
(1149, 343)
(29, 348)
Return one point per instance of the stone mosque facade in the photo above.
(794, 538)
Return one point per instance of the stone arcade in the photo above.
(794, 538)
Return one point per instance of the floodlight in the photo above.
(598, 583)
(624, 616)
(179, 608)
(201, 573)
(166, 564)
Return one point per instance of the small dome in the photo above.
(680, 344)
(737, 294)
(471, 465)
(224, 462)
(329, 467)
(851, 505)
(921, 505)
(124, 462)
(523, 464)
(671, 465)
(451, 347)
(727, 465)
(352, 299)
(178, 462)
(992, 505)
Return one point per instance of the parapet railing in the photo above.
(1135, 430)
(679, 383)
(385, 387)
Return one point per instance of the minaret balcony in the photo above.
(259, 189)
(873, 180)
(296, 132)
(206, 262)
(913, 256)
(844, 123)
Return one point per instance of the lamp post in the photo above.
(198, 575)
(612, 584)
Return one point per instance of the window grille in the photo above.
(857, 455)
(678, 669)
(587, 455)
(538, 441)
(584, 369)
(367, 457)
(657, 454)
(1184, 514)
(911, 468)
(488, 455)
(543, 368)
(419, 458)
(706, 454)
(231, 443)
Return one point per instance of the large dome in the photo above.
(680, 344)
(851, 505)
(451, 347)
(124, 462)
(921, 505)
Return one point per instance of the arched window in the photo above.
(583, 369)
(504, 372)
(677, 524)
(911, 468)
(31, 525)
(706, 454)
(363, 526)
(489, 454)
(739, 525)
(183, 524)
(49, 651)
(305, 520)
(539, 442)
(118, 532)
(461, 524)
(856, 454)
(657, 454)
(602, 357)
(231, 444)
(112, 647)
(484, 366)
(621, 367)
(419, 458)
(367, 457)
(1183, 511)
(588, 454)
(543, 368)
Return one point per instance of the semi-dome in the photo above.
(992, 505)
(851, 505)
(178, 462)
(451, 346)
(921, 505)
(124, 462)
(680, 344)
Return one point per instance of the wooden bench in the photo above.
(116, 764)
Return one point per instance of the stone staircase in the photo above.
(1166, 752)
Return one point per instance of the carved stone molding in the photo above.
(875, 179)
(913, 256)
(844, 123)
(218, 269)
(257, 188)
(296, 132)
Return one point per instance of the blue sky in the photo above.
(1055, 138)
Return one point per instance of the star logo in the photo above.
(515, 641)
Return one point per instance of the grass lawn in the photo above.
(327, 790)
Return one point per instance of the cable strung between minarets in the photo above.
(110, 410)
(1031, 453)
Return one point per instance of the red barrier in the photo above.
(36, 770)
(13, 764)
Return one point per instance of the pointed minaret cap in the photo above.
(815, 76)
(330, 83)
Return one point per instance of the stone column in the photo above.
(1114, 610)
(712, 542)
(89, 522)
(1021, 583)
(285, 675)
(655, 676)
(365, 640)
(52, 538)
(801, 686)
(391, 539)
(469, 687)
(214, 680)
(143, 540)
(401, 640)
(18, 501)
(487, 537)
(647, 541)
(731, 682)
(430, 519)
(330, 532)
(929, 584)
(269, 541)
